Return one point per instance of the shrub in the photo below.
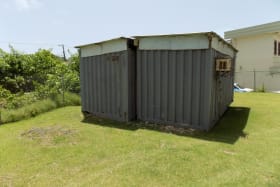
(262, 89)
(70, 99)
(4, 93)
(38, 107)
(20, 99)
(27, 111)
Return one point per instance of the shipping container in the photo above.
(179, 81)
(107, 73)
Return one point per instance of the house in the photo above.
(258, 59)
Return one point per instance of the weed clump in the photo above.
(38, 107)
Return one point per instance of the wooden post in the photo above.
(254, 80)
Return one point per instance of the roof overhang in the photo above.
(102, 42)
(210, 35)
(182, 41)
(273, 27)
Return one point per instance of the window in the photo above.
(278, 48)
(275, 47)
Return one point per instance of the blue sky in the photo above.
(32, 24)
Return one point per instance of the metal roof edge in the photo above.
(208, 34)
(254, 30)
(104, 41)
(224, 41)
(168, 35)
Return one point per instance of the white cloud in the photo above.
(27, 4)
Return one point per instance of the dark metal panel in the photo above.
(118, 90)
(124, 85)
(180, 87)
(222, 89)
(114, 90)
(157, 86)
(206, 85)
(94, 82)
(150, 83)
(90, 85)
(87, 85)
(171, 84)
(106, 87)
(97, 71)
(188, 58)
(175, 87)
(102, 84)
(139, 81)
(131, 84)
(202, 91)
(144, 89)
(164, 86)
(195, 91)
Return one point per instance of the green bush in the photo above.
(19, 100)
(27, 111)
(70, 99)
(38, 107)
(21, 72)
(13, 101)
(4, 94)
(262, 89)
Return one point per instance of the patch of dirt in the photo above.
(50, 135)
(229, 152)
(169, 129)
(6, 180)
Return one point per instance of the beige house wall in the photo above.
(257, 53)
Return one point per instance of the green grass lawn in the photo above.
(58, 149)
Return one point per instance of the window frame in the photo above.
(278, 48)
(275, 47)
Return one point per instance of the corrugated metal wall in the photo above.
(174, 86)
(222, 90)
(108, 86)
(181, 87)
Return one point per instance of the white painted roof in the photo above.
(103, 47)
(202, 40)
(189, 35)
(273, 27)
(101, 42)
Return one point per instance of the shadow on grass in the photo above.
(230, 127)
(227, 130)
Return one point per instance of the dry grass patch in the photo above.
(6, 180)
(51, 135)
